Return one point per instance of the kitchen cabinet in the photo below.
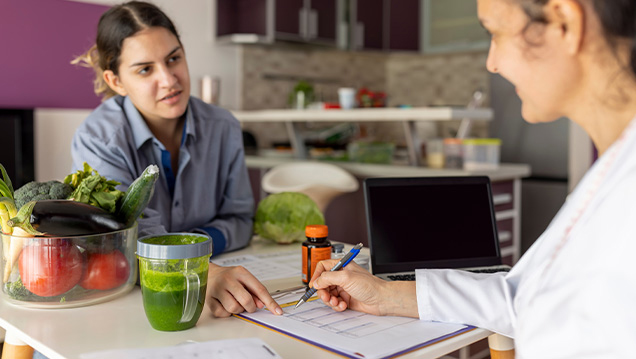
(389, 25)
(451, 25)
(265, 21)
(244, 20)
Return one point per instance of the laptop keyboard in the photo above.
(402, 277)
(494, 269)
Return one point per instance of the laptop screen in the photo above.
(430, 222)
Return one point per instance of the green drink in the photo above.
(173, 275)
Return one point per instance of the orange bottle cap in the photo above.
(316, 230)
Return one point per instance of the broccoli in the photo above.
(18, 291)
(36, 191)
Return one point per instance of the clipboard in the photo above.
(352, 334)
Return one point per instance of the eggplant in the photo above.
(64, 218)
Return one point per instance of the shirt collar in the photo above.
(140, 130)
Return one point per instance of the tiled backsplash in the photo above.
(271, 72)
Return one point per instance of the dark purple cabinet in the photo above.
(241, 17)
(404, 25)
(369, 27)
(308, 21)
(291, 19)
(323, 20)
(390, 25)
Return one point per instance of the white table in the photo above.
(122, 323)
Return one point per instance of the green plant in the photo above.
(308, 91)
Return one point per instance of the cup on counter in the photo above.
(435, 153)
(346, 97)
(453, 153)
(173, 271)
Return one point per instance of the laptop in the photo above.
(431, 222)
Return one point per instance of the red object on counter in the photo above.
(367, 98)
(331, 105)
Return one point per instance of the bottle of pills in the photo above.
(315, 249)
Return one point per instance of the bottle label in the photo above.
(311, 257)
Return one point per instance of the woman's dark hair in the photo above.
(617, 17)
(115, 25)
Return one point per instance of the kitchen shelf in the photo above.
(366, 114)
(406, 116)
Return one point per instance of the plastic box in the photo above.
(453, 153)
(481, 154)
(72, 271)
(371, 152)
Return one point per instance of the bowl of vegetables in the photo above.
(69, 271)
(72, 246)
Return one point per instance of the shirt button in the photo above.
(176, 204)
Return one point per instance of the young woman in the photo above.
(572, 294)
(148, 117)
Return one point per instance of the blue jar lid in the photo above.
(174, 246)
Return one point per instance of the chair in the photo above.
(320, 181)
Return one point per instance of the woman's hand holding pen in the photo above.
(355, 288)
(233, 290)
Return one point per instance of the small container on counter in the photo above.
(338, 251)
(435, 153)
(481, 153)
(315, 249)
(453, 153)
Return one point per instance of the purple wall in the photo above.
(38, 39)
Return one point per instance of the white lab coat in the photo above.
(569, 296)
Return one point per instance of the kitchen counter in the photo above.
(506, 171)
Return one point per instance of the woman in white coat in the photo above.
(573, 293)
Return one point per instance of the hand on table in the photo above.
(355, 288)
(233, 290)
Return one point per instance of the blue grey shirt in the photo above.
(210, 193)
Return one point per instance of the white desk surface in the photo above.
(122, 323)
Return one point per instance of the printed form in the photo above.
(249, 348)
(268, 266)
(351, 333)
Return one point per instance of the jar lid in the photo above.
(316, 230)
(453, 141)
(337, 248)
(483, 141)
(174, 246)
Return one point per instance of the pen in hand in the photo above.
(341, 264)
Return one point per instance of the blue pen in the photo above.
(341, 264)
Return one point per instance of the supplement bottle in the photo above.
(315, 249)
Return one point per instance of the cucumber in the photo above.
(138, 195)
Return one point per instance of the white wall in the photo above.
(54, 129)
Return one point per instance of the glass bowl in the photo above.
(71, 271)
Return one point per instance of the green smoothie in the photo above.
(164, 298)
(164, 284)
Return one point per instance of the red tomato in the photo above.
(106, 270)
(50, 267)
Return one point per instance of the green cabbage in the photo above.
(282, 217)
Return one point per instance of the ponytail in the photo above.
(90, 59)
